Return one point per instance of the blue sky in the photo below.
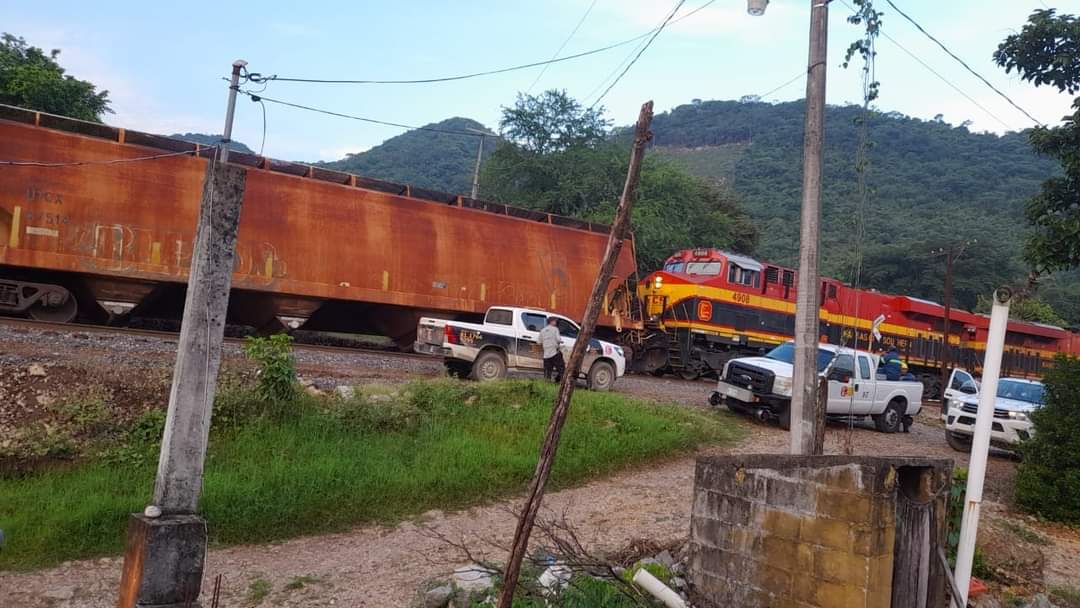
(163, 62)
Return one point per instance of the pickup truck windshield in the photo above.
(786, 353)
(1021, 391)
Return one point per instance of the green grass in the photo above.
(323, 465)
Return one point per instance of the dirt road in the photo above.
(385, 565)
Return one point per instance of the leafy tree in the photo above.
(1048, 477)
(552, 122)
(584, 179)
(1047, 52)
(32, 79)
(1025, 309)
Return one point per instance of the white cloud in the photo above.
(339, 152)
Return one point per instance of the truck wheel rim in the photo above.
(891, 417)
(488, 370)
(603, 377)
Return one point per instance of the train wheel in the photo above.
(931, 386)
(687, 373)
(64, 313)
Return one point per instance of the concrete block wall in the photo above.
(808, 532)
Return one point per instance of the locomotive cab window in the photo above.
(703, 267)
(674, 267)
(741, 276)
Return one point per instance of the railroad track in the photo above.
(171, 335)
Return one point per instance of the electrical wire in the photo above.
(256, 77)
(930, 69)
(656, 33)
(562, 46)
(112, 161)
(963, 63)
(360, 118)
(801, 74)
(262, 144)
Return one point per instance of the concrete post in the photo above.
(183, 448)
(163, 563)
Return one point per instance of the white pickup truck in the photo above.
(763, 385)
(507, 340)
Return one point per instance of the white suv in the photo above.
(1016, 399)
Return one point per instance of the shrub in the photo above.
(277, 366)
(1048, 477)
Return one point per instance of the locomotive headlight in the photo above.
(658, 283)
(782, 387)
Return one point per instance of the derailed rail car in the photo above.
(337, 250)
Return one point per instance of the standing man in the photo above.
(891, 364)
(553, 359)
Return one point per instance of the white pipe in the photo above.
(980, 443)
(658, 589)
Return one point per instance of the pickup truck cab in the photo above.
(508, 340)
(763, 385)
(1016, 399)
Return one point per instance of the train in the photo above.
(707, 305)
(97, 224)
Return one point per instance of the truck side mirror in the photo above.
(840, 375)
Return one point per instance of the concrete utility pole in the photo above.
(619, 229)
(980, 442)
(952, 254)
(804, 415)
(476, 173)
(166, 544)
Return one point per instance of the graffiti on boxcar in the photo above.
(101, 247)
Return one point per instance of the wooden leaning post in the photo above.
(619, 228)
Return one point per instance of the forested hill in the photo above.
(212, 140)
(930, 184)
(428, 159)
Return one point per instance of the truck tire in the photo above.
(489, 366)
(785, 418)
(891, 420)
(958, 441)
(601, 376)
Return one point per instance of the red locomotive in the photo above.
(706, 306)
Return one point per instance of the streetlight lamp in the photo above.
(756, 7)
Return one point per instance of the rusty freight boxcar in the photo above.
(339, 251)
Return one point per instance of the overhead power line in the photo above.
(360, 118)
(794, 78)
(656, 33)
(938, 74)
(255, 77)
(563, 45)
(964, 63)
(111, 161)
